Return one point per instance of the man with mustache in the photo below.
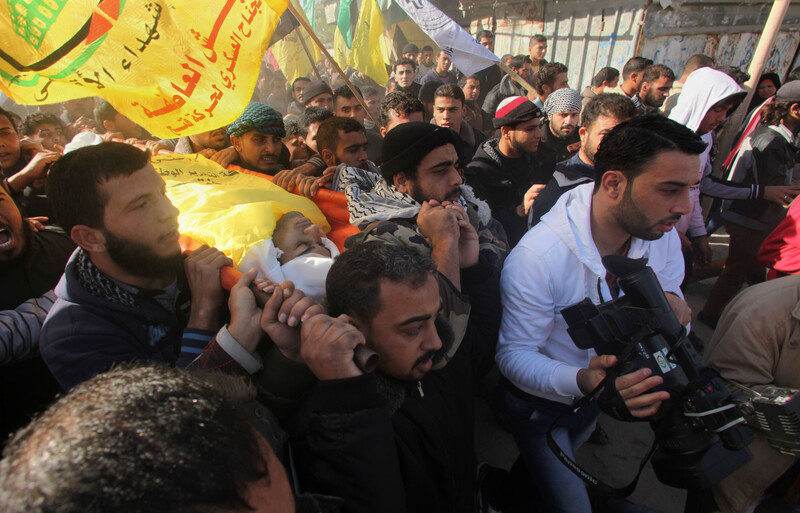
(644, 169)
(560, 138)
(418, 402)
(257, 136)
(205, 143)
(127, 293)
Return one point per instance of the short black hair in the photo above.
(299, 79)
(104, 111)
(32, 121)
(610, 105)
(314, 114)
(369, 91)
(427, 48)
(635, 65)
(698, 61)
(632, 144)
(354, 281)
(74, 180)
(345, 92)
(402, 103)
(547, 75)
(450, 91)
(656, 71)
(538, 38)
(136, 438)
(328, 131)
(404, 61)
(484, 33)
(294, 128)
(736, 74)
(517, 61)
(774, 113)
(607, 74)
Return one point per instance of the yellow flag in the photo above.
(176, 68)
(227, 209)
(366, 55)
(292, 59)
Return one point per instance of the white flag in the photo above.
(467, 54)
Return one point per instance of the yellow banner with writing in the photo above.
(177, 68)
(227, 209)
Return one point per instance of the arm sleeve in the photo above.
(697, 226)
(19, 328)
(781, 248)
(528, 321)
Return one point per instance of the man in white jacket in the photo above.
(644, 170)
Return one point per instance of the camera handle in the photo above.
(609, 380)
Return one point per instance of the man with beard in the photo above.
(656, 85)
(419, 402)
(257, 136)
(347, 105)
(504, 168)
(644, 168)
(560, 139)
(126, 294)
(398, 108)
(599, 116)
(632, 77)
(31, 263)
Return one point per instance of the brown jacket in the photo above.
(757, 342)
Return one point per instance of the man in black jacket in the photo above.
(418, 403)
(504, 168)
(560, 138)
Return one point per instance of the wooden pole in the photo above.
(765, 44)
(322, 49)
(310, 57)
(518, 79)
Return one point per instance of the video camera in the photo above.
(700, 436)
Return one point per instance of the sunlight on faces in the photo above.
(564, 124)
(216, 139)
(472, 89)
(140, 223)
(524, 137)
(715, 116)
(351, 150)
(426, 58)
(592, 136)
(538, 50)
(404, 75)
(350, 108)
(297, 89)
(656, 92)
(656, 199)
(488, 43)
(437, 178)
(258, 151)
(404, 331)
(443, 62)
(398, 119)
(448, 112)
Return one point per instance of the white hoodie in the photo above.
(703, 89)
(555, 265)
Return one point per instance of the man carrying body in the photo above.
(560, 139)
(441, 73)
(644, 172)
(504, 168)
(449, 107)
(405, 74)
(346, 104)
(126, 293)
(601, 114)
(257, 136)
(632, 77)
(656, 84)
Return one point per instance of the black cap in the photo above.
(407, 144)
(410, 48)
(315, 88)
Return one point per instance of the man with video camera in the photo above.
(643, 175)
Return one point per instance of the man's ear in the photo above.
(383, 131)
(328, 157)
(583, 132)
(236, 142)
(109, 125)
(613, 184)
(401, 182)
(90, 239)
(546, 89)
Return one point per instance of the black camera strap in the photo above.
(605, 489)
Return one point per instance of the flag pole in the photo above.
(308, 53)
(518, 79)
(322, 48)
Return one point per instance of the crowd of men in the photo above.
(484, 209)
